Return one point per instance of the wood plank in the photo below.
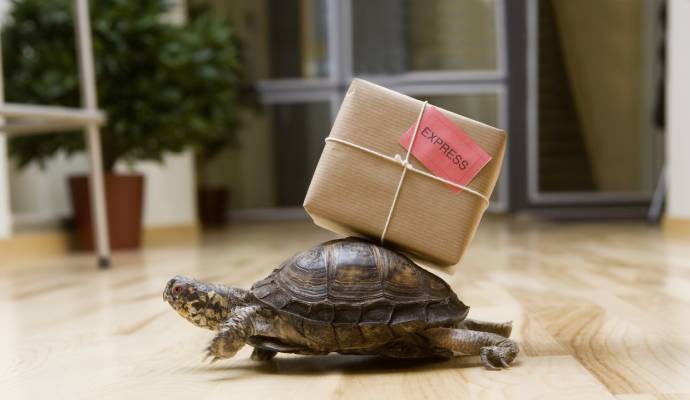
(601, 311)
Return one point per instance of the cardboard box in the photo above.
(352, 190)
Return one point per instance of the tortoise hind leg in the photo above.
(260, 354)
(500, 328)
(494, 350)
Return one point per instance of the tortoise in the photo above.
(348, 296)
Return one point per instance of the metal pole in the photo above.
(93, 137)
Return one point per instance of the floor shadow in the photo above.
(337, 363)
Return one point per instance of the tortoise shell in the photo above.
(350, 291)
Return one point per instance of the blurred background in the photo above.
(193, 128)
(223, 106)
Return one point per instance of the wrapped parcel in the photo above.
(357, 187)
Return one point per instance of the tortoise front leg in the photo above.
(500, 328)
(233, 334)
(495, 351)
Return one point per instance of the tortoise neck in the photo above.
(219, 302)
(236, 296)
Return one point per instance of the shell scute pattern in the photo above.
(306, 278)
(347, 283)
(322, 312)
(354, 273)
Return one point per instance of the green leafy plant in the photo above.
(164, 87)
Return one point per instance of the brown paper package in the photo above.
(351, 191)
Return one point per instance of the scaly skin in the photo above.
(500, 328)
(240, 319)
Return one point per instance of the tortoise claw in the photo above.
(224, 345)
(484, 355)
(208, 355)
(211, 355)
(497, 357)
(212, 358)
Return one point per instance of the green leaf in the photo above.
(164, 88)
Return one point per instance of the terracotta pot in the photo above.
(212, 203)
(124, 195)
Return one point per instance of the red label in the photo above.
(445, 149)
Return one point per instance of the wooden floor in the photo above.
(601, 311)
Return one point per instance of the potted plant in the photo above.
(214, 196)
(164, 87)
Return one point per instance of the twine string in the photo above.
(407, 166)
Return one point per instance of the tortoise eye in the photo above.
(177, 289)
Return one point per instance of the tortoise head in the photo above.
(203, 304)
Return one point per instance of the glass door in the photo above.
(302, 54)
(593, 136)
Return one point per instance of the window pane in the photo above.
(280, 38)
(397, 36)
(299, 131)
(276, 154)
(594, 132)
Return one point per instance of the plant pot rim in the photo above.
(118, 175)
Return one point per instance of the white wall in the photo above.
(678, 111)
(40, 196)
(170, 190)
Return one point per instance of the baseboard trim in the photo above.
(268, 214)
(57, 242)
(676, 227)
(35, 245)
(171, 235)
